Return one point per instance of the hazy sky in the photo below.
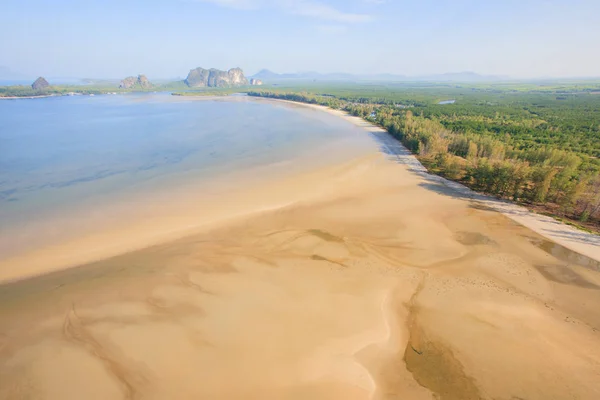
(166, 38)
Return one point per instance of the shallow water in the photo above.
(566, 255)
(64, 153)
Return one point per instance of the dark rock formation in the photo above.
(256, 82)
(197, 77)
(127, 83)
(40, 84)
(144, 82)
(131, 82)
(201, 77)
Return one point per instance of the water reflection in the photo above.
(565, 254)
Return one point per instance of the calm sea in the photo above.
(62, 153)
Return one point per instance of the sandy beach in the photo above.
(363, 279)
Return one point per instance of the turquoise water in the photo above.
(63, 152)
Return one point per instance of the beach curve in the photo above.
(427, 292)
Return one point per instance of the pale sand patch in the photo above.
(373, 286)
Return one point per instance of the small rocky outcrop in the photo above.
(236, 76)
(131, 82)
(256, 82)
(40, 84)
(143, 82)
(200, 77)
(127, 83)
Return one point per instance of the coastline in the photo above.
(356, 280)
(163, 216)
(28, 97)
(579, 241)
(564, 235)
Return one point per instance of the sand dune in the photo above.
(374, 286)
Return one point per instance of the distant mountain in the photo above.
(270, 76)
(265, 74)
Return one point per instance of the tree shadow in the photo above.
(396, 151)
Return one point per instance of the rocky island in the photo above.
(40, 84)
(200, 77)
(131, 82)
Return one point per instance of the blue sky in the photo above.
(166, 38)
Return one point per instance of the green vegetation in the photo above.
(535, 144)
(178, 88)
(27, 91)
(94, 87)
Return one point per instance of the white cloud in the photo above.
(305, 8)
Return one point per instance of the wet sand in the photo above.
(376, 284)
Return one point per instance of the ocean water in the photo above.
(59, 154)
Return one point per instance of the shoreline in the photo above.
(166, 216)
(564, 235)
(576, 240)
(28, 97)
(373, 279)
